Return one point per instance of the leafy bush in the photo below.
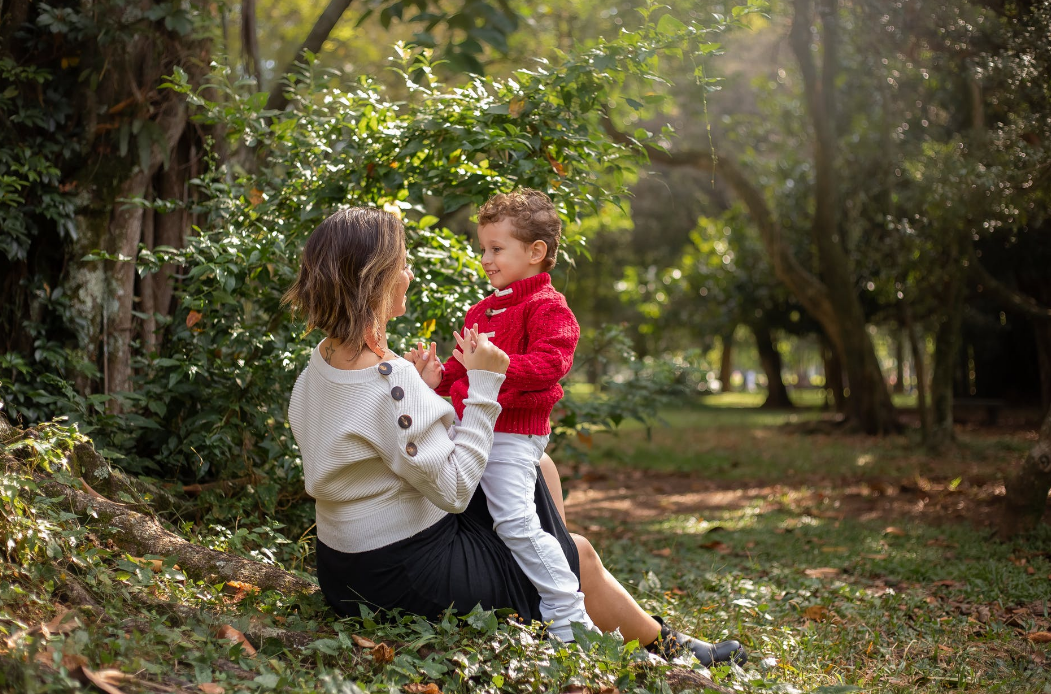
(212, 402)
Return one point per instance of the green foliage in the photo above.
(634, 391)
(213, 401)
(35, 148)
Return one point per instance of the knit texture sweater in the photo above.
(381, 455)
(530, 320)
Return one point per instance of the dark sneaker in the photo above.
(671, 644)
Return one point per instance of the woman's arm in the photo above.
(445, 465)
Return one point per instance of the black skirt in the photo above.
(459, 562)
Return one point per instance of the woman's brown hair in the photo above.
(348, 273)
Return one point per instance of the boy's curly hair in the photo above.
(533, 218)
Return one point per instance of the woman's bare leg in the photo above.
(554, 483)
(608, 604)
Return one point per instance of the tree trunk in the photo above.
(172, 227)
(770, 358)
(831, 299)
(126, 231)
(833, 375)
(1042, 329)
(147, 306)
(947, 343)
(1026, 497)
(899, 362)
(868, 399)
(250, 42)
(726, 360)
(919, 361)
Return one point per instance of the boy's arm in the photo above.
(553, 334)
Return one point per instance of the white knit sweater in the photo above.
(381, 455)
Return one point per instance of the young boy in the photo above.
(530, 320)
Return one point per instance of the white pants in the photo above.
(509, 482)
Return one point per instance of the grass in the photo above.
(844, 563)
(840, 561)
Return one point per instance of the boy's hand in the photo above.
(477, 352)
(427, 363)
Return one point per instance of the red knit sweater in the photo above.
(531, 321)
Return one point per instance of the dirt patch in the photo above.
(635, 496)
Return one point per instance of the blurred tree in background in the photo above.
(859, 175)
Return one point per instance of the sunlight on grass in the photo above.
(825, 596)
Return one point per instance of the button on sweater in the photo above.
(381, 455)
(531, 321)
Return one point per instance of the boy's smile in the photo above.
(505, 259)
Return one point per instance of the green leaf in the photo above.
(669, 24)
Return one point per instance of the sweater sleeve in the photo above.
(445, 466)
(552, 333)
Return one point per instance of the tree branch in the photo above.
(315, 39)
(1012, 300)
(810, 291)
(140, 534)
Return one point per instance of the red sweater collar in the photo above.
(519, 291)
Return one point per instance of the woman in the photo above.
(401, 523)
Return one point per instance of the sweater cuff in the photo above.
(484, 384)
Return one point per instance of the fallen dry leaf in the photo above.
(1039, 637)
(823, 572)
(63, 622)
(362, 641)
(211, 688)
(382, 653)
(947, 583)
(663, 552)
(230, 634)
(74, 661)
(421, 688)
(896, 532)
(239, 591)
(877, 557)
(156, 565)
(107, 680)
(818, 613)
(720, 547)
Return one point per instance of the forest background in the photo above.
(848, 199)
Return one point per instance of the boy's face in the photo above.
(505, 258)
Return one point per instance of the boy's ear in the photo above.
(537, 252)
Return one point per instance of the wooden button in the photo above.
(397, 393)
(488, 313)
(385, 368)
(405, 421)
(411, 449)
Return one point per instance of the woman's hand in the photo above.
(427, 363)
(477, 352)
